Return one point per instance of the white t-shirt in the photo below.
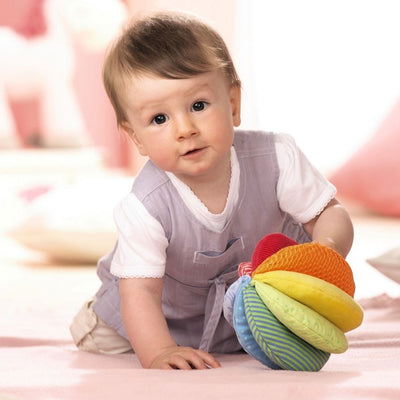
(302, 191)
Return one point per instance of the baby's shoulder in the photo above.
(148, 180)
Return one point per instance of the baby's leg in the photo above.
(92, 334)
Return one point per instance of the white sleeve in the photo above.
(302, 190)
(141, 248)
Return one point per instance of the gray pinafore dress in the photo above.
(201, 264)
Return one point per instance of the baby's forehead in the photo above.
(143, 88)
(200, 79)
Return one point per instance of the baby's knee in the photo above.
(93, 335)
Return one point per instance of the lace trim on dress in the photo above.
(213, 221)
(323, 206)
(128, 276)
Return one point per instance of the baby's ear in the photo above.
(131, 133)
(235, 98)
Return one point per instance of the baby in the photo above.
(207, 194)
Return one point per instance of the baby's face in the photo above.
(185, 126)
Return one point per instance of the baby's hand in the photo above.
(177, 357)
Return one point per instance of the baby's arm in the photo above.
(332, 228)
(148, 332)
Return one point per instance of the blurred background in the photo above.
(325, 72)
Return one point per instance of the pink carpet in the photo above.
(39, 362)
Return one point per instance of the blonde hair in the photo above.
(167, 45)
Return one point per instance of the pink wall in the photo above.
(96, 109)
(22, 16)
(14, 12)
(97, 112)
(98, 116)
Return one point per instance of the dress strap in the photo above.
(214, 306)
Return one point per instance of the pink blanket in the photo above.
(39, 362)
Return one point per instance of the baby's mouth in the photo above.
(193, 151)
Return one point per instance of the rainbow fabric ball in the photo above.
(291, 309)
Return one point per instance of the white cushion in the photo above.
(73, 222)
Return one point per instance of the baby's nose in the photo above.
(185, 127)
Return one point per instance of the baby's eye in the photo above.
(159, 119)
(199, 106)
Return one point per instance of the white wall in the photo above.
(326, 72)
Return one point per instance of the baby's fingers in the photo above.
(194, 359)
(187, 360)
(208, 359)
